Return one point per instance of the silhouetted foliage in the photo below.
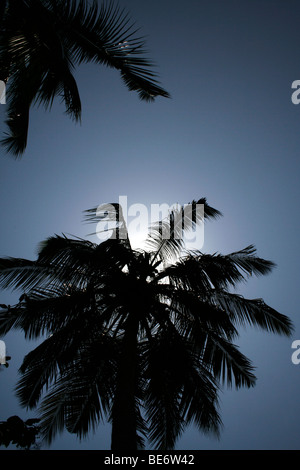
(22, 434)
(41, 43)
(143, 338)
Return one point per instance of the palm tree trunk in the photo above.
(124, 416)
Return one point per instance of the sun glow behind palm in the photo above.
(144, 339)
(138, 239)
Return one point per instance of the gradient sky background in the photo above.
(229, 133)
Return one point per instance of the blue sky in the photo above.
(229, 133)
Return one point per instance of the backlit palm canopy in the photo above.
(143, 338)
(41, 42)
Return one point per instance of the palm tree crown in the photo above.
(144, 338)
(41, 42)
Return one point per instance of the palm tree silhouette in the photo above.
(41, 42)
(143, 338)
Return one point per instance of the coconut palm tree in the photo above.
(143, 338)
(41, 42)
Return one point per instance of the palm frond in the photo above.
(52, 411)
(81, 394)
(39, 369)
(247, 261)
(15, 141)
(179, 390)
(106, 36)
(111, 213)
(199, 400)
(227, 363)
(202, 272)
(42, 41)
(18, 273)
(166, 237)
(254, 312)
(194, 317)
(93, 379)
(162, 398)
(48, 360)
(10, 318)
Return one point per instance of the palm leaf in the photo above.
(18, 273)
(179, 390)
(41, 42)
(202, 272)
(162, 395)
(52, 411)
(227, 363)
(253, 312)
(166, 238)
(93, 378)
(106, 36)
(199, 400)
(80, 383)
(112, 213)
(194, 316)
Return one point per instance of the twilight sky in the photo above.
(229, 133)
